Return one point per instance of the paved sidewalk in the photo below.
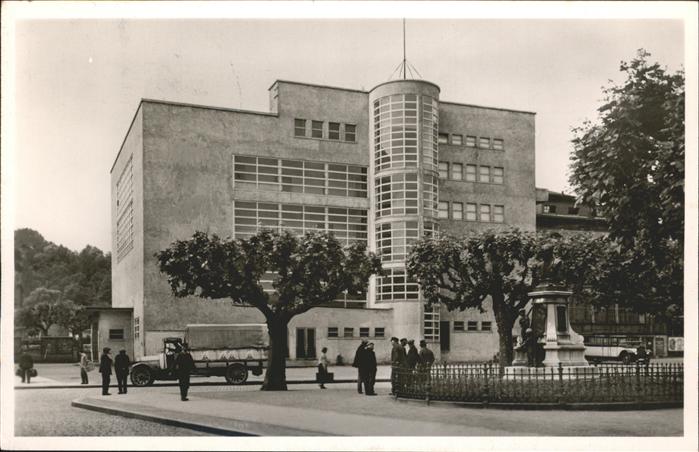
(68, 376)
(339, 410)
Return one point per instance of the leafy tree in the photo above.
(630, 163)
(462, 272)
(44, 308)
(309, 271)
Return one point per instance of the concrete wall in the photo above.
(127, 274)
(115, 320)
(471, 345)
(518, 192)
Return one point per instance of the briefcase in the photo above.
(328, 377)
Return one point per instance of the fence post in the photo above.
(486, 396)
(639, 393)
(561, 390)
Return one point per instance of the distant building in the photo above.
(384, 167)
(558, 212)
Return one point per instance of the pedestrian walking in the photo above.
(106, 369)
(184, 364)
(357, 363)
(84, 367)
(26, 365)
(323, 368)
(413, 357)
(121, 369)
(426, 356)
(369, 369)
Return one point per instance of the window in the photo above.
(350, 133)
(305, 343)
(349, 332)
(457, 140)
(457, 211)
(397, 194)
(470, 141)
(443, 138)
(498, 175)
(394, 239)
(486, 326)
(334, 130)
(471, 212)
(299, 127)
(549, 208)
(458, 326)
(124, 208)
(117, 334)
(485, 213)
(457, 171)
(443, 170)
(364, 331)
(498, 144)
(332, 331)
(470, 173)
(396, 285)
(484, 142)
(379, 332)
(498, 214)
(317, 129)
(484, 174)
(136, 328)
(472, 326)
(443, 209)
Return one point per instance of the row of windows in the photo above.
(318, 129)
(334, 331)
(396, 286)
(347, 225)
(124, 207)
(396, 126)
(471, 141)
(299, 176)
(484, 213)
(474, 173)
(551, 208)
(472, 325)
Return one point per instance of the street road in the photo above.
(47, 412)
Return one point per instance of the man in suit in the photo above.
(358, 364)
(369, 369)
(184, 364)
(84, 365)
(121, 369)
(106, 370)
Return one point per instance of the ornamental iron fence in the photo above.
(489, 383)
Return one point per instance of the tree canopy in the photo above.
(305, 272)
(629, 164)
(83, 277)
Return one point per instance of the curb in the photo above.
(582, 406)
(239, 428)
(174, 384)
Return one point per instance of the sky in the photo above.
(78, 84)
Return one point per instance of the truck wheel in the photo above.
(142, 376)
(236, 374)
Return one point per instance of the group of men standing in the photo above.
(404, 355)
(121, 368)
(402, 359)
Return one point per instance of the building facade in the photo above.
(383, 167)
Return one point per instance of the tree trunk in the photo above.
(505, 322)
(275, 376)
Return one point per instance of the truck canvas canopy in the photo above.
(226, 336)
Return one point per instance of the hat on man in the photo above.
(106, 350)
(364, 340)
(423, 343)
(394, 339)
(411, 342)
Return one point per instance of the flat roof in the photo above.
(314, 85)
(487, 108)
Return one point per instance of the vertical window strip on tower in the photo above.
(396, 194)
(396, 286)
(124, 226)
(395, 239)
(395, 132)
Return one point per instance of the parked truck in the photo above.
(229, 351)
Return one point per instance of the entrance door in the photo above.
(444, 336)
(305, 343)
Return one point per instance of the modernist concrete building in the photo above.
(384, 167)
